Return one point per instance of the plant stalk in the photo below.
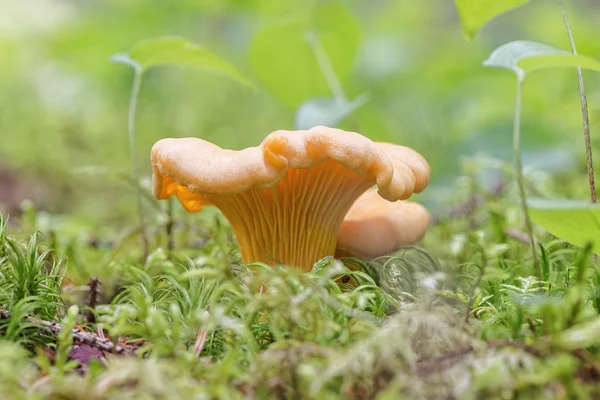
(135, 90)
(476, 283)
(584, 110)
(519, 172)
(169, 227)
(92, 300)
(327, 69)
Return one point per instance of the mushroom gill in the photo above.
(285, 199)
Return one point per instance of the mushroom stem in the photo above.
(297, 221)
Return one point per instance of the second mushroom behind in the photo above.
(374, 227)
(287, 198)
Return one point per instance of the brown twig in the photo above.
(88, 338)
(92, 299)
(169, 227)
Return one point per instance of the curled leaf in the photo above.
(524, 56)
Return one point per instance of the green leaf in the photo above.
(172, 50)
(474, 14)
(284, 61)
(325, 111)
(577, 222)
(523, 56)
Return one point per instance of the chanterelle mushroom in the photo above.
(286, 198)
(375, 227)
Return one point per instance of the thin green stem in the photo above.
(519, 173)
(584, 110)
(326, 68)
(135, 90)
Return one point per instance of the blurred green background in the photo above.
(63, 104)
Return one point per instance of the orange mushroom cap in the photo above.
(374, 227)
(286, 198)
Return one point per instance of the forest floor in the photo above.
(462, 316)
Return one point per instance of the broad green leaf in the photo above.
(325, 111)
(474, 14)
(283, 58)
(576, 222)
(523, 56)
(177, 51)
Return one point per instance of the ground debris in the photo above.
(79, 336)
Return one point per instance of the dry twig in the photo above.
(79, 336)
